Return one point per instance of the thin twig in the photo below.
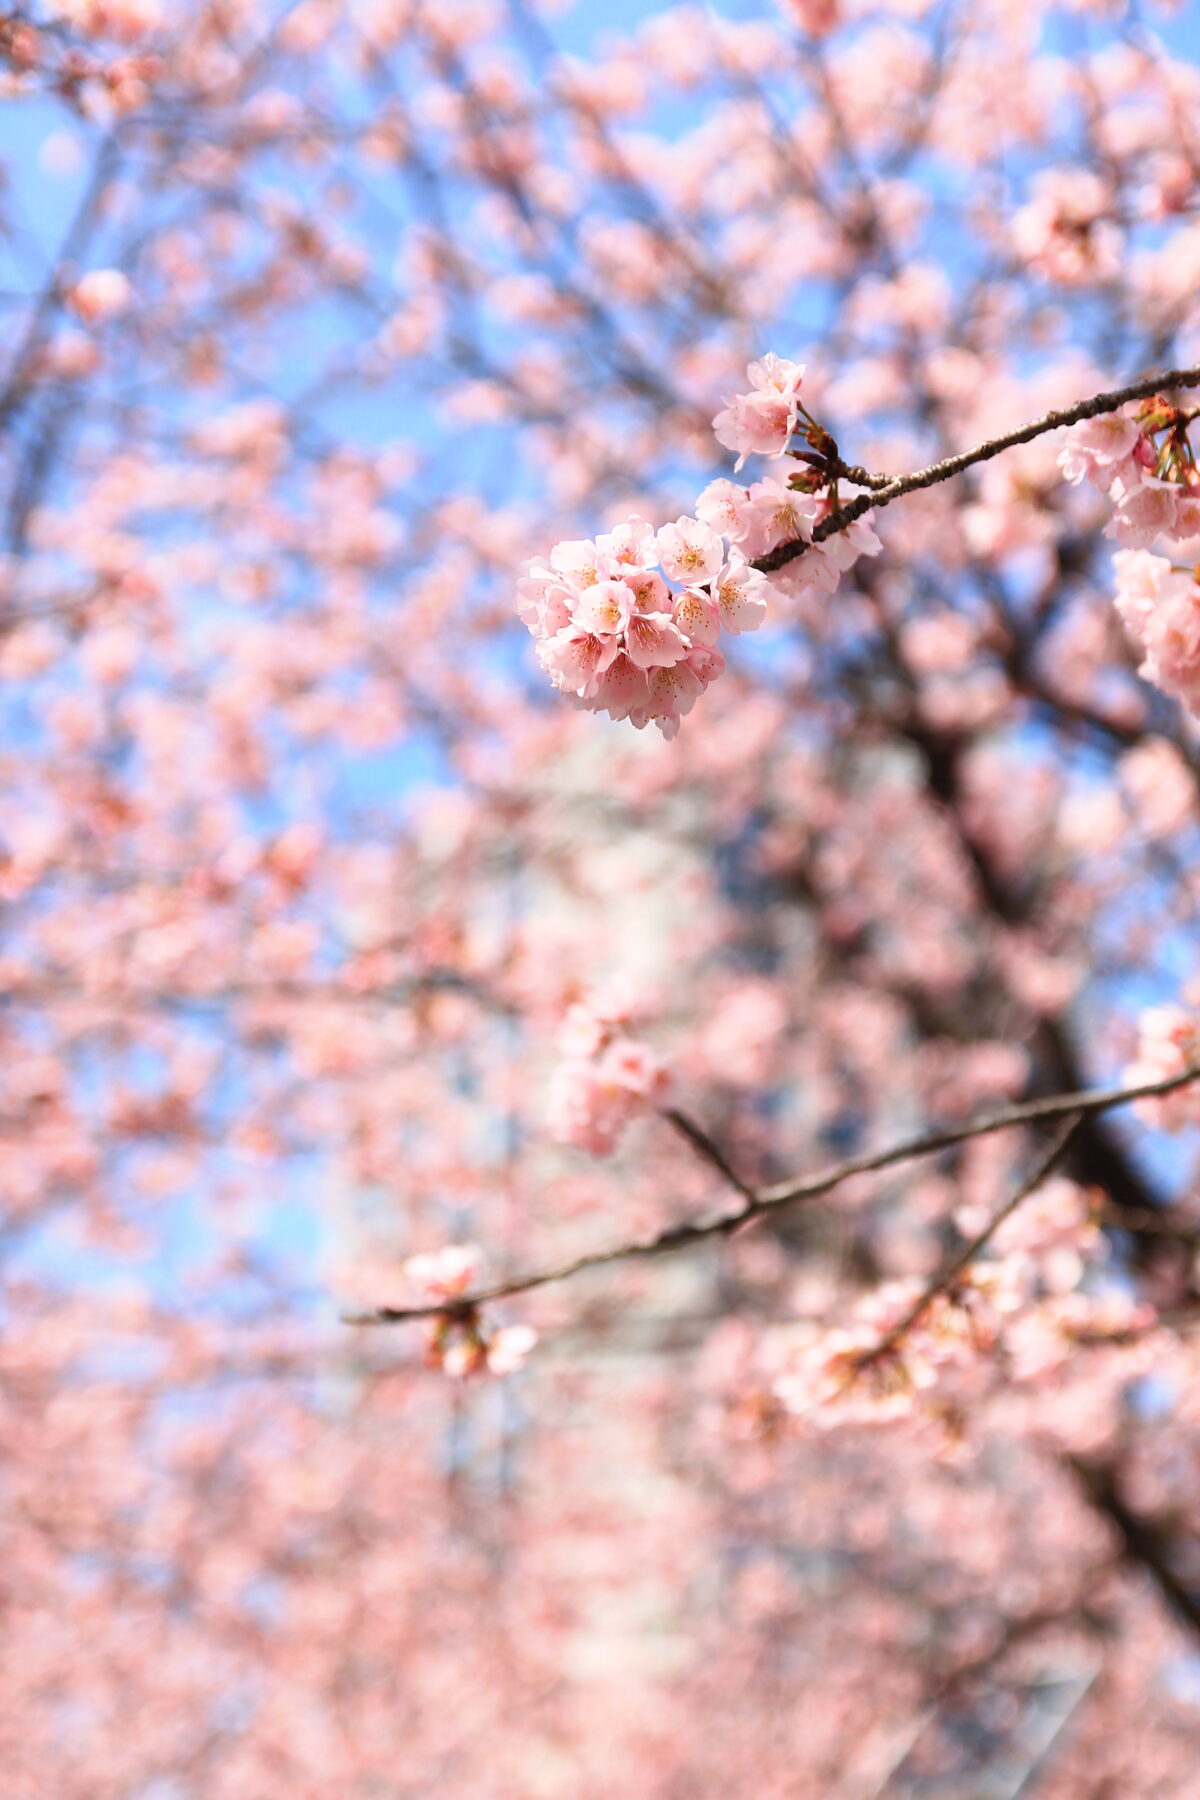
(711, 1151)
(769, 1200)
(954, 465)
(1026, 1112)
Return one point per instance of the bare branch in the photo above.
(711, 1151)
(954, 465)
(758, 1203)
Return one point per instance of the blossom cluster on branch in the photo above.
(606, 1078)
(616, 638)
(1040, 1293)
(457, 1340)
(1159, 604)
(1168, 1042)
(1142, 458)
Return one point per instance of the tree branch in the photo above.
(954, 465)
(1145, 1543)
(761, 1201)
(711, 1151)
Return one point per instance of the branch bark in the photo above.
(965, 459)
(757, 1203)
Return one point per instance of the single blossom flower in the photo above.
(1096, 448)
(653, 641)
(604, 608)
(1168, 1043)
(761, 422)
(697, 616)
(689, 550)
(776, 514)
(722, 505)
(575, 659)
(741, 595)
(446, 1274)
(630, 546)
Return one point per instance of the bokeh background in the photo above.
(319, 320)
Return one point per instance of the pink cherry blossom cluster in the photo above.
(834, 1378)
(774, 512)
(761, 422)
(1160, 607)
(1141, 456)
(771, 513)
(1031, 1292)
(457, 1341)
(613, 635)
(1066, 230)
(1168, 1043)
(852, 1371)
(606, 1079)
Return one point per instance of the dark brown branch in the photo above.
(1026, 1112)
(1144, 1542)
(712, 1152)
(954, 465)
(758, 1203)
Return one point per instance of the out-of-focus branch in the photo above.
(759, 1202)
(711, 1151)
(965, 459)
(1144, 1542)
(87, 215)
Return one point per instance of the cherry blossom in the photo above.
(1160, 607)
(446, 1274)
(1143, 458)
(1066, 230)
(614, 637)
(1168, 1041)
(761, 422)
(607, 1079)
